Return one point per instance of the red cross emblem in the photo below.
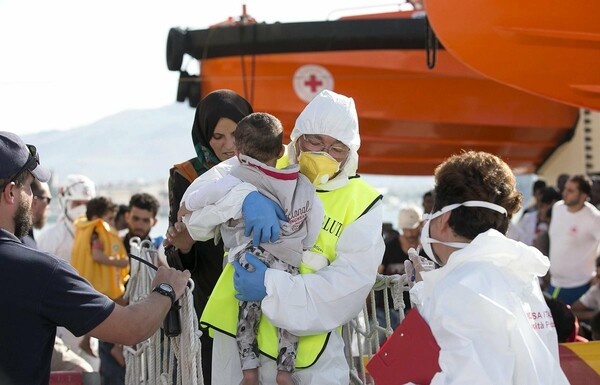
(313, 83)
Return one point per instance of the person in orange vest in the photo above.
(100, 257)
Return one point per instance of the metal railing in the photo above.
(364, 334)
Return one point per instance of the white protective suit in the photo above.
(58, 238)
(489, 317)
(311, 303)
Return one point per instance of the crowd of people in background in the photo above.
(93, 234)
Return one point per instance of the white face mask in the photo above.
(75, 212)
(426, 241)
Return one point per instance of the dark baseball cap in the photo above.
(16, 157)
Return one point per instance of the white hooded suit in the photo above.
(489, 317)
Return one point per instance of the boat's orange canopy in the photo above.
(550, 48)
(411, 117)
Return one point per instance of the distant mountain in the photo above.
(136, 145)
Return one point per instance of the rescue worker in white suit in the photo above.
(484, 305)
(73, 197)
(337, 274)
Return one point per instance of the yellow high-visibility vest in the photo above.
(342, 207)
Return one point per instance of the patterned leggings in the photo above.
(249, 318)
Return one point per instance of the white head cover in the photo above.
(333, 115)
(78, 188)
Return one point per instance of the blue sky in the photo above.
(68, 63)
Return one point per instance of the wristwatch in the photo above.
(167, 290)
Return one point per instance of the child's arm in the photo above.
(99, 256)
(201, 195)
(201, 224)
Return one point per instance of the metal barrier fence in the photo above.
(364, 334)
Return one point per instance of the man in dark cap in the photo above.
(44, 291)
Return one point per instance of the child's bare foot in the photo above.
(250, 377)
(284, 378)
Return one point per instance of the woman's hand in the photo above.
(178, 236)
(183, 211)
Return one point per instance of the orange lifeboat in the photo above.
(411, 117)
(545, 47)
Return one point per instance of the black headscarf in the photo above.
(216, 105)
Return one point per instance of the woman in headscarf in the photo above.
(216, 118)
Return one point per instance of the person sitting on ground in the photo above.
(258, 140)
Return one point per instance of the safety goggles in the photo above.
(313, 143)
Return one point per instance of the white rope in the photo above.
(152, 361)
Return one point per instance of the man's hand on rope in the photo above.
(177, 279)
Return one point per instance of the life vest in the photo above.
(342, 207)
(187, 170)
(107, 279)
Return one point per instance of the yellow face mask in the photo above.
(318, 167)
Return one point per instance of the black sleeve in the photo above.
(392, 252)
(72, 302)
(177, 186)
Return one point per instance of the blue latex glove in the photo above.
(262, 217)
(250, 285)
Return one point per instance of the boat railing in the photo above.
(363, 335)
